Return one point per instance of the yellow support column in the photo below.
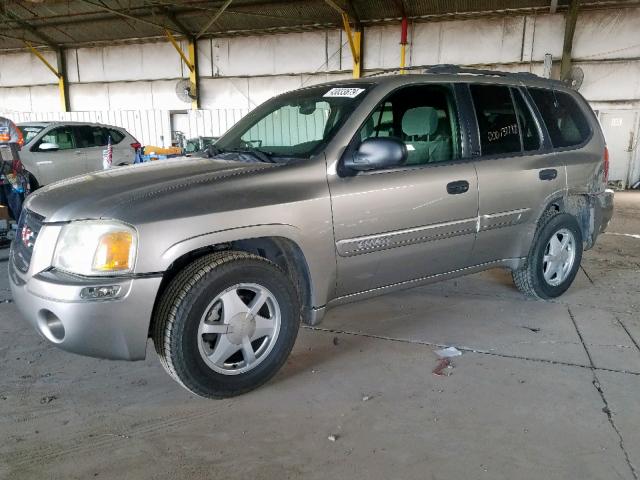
(59, 73)
(355, 43)
(191, 61)
(193, 73)
(63, 87)
(403, 45)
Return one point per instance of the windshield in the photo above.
(29, 132)
(294, 125)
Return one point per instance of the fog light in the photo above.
(51, 326)
(95, 293)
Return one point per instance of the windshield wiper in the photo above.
(261, 155)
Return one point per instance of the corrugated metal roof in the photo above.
(70, 23)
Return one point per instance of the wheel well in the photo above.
(281, 251)
(581, 207)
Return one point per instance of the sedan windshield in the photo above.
(294, 125)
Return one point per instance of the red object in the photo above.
(606, 164)
(135, 145)
(443, 363)
(403, 33)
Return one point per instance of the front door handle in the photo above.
(548, 174)
(457, 187)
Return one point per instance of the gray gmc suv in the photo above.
(320, 196)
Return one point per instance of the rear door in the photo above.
(123, 152)
(402, 224)
(92, 140)
(518, 172)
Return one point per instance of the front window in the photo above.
(29, 132)
(294, 125)
(60, 138)
(424, 118)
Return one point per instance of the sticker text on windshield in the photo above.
(344, 92)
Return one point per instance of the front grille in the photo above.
(29, 226)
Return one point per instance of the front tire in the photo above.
(554, 259)
(226, 324)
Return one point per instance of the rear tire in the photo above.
(554, 259)
(226, 324)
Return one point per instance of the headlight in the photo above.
(95, 247)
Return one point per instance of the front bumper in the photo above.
(115, 329)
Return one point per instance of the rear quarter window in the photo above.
(565, 120)
(116, 135)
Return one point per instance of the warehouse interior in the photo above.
(541, 389)
(120, 65)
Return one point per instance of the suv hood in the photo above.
(103, 194)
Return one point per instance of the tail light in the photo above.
(136, 145)
(605, 164)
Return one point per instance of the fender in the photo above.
(322, 272)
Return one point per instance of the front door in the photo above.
(397, 225)
(517, 174)
(65, 161)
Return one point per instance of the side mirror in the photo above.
(48, 147)
(378, 153)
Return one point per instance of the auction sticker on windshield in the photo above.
(344, 92)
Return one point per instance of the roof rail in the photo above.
(454, 69)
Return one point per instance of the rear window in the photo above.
(497, 121)
(563, 117)
(116, 135)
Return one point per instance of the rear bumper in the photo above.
(115, 329)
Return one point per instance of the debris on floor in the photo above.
(533, 329)
(448, 352)
(332, 437)
(443, 364)
(366, 398)
(48, 399)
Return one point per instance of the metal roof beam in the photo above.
(131, 17)
(181, 26)
(571, 18)
(215, 17)
(48, 41)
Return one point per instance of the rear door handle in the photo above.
(548, 174)
(457, 187)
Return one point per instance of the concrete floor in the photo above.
(542, 390)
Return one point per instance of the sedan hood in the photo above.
(99, 194)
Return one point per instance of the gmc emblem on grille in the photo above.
(27, 236)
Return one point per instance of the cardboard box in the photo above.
(4, 213)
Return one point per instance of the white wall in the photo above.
(239, 73)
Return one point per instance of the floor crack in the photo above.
(467, 349)
(606, 410)
(628, 333)
(587, 275)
